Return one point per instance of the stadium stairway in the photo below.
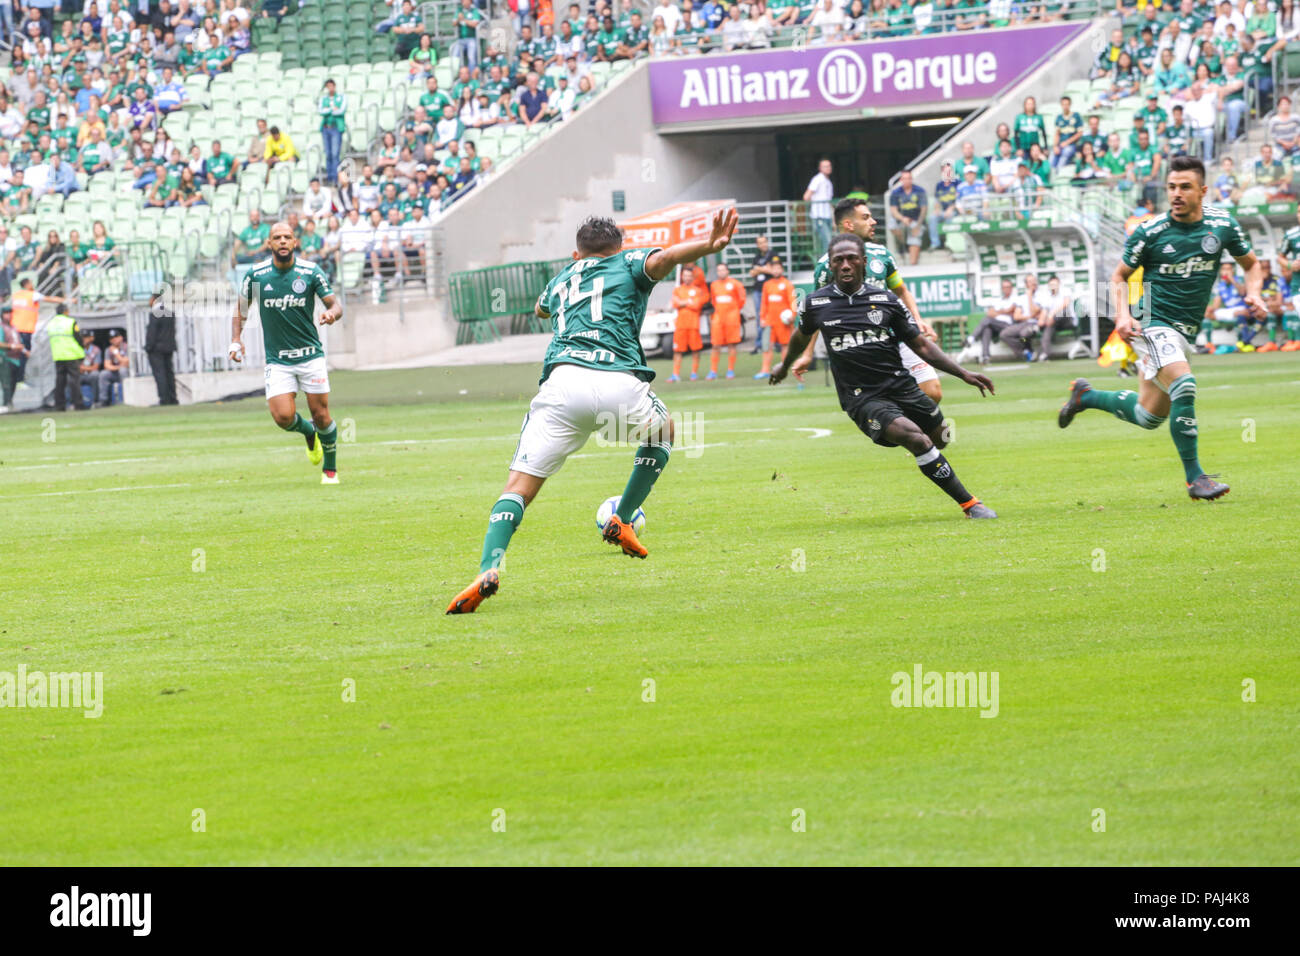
(608, 147)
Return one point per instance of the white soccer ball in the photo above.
(607, 508)
(787, 317)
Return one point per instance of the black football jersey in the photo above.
(862, 332)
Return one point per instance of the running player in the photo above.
(689, 299)
(854, 215)
(1288, 263)
(728, 297)
(864, 327)
(594, 370)
(1179, 252)
(285, 289)
(779, 306)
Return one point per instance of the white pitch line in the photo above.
(97, 491)
(75, 464)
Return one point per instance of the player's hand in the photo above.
(329, 317)
(980, 381)
(927, 330)
(236, 351)
(724, 224)
(1126, 328)
(1257, 307)
(778, 375)
(800, 366)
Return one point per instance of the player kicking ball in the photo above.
(1179, 253)
(863, 327)
(285, 289)
(594, 371)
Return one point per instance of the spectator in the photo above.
(116, 362)
(408, 26)
(1228, 307)
(316, 202)
(311, 244)
(1272, 177)
(1019, 335)
(13, 356)
(187, 193)
(329, 249)
(1124, 81)
(1284, 129)
(251, 241)
(761, 268)
(95, 156)
(1069, 133)
(1172, 75)
(998, 316)
(819, 193)
(1086, 166)
(1145, 168)
(1027, 193)
(972, 194)
(368, 191)
(50, 260)
(1227, 189)
(17, 199)
(220, 167)
(1053, 308)
(1178, 134)
(170, 94)
(144, 115)
(945, 203)
(968, 158)
(1288, 29)
(91, 365)
(1029, 128)
(257, 148)
(1201, 109)
(386, 244)
(1108, 57)
(828, 20)
(907, 210)
(735, 35)
(417, 234)
(1232, 97)
(354, 236)
(333, 125)
(160, 345)
(467, 20)
(279, 149)
(1002, 171)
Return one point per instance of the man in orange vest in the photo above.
(778, 314)
(26, 310)
(728, 297)
(689, 298)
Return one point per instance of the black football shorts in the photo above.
(873, 415)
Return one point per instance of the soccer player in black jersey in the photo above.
(863, 327)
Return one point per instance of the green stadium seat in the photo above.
(292, 77)
(125, 207)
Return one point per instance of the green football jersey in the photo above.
(1180, 262)
(1291, 243)
(596, 307)
(882, 270)
(286, 301)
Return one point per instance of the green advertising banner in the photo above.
(945, 296)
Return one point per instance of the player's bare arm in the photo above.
(660, 264)
(333, 310)
(909, 300)
(236, 333)
(805, 358)
(937, 357)
(1125, 327)
(799, 342)
(1254, 284)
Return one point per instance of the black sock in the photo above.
(935, 467)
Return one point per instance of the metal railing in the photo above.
(480, 297)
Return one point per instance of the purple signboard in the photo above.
(910, 71)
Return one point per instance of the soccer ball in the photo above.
(787, 317)
(606, 509)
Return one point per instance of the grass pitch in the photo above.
(191, 556)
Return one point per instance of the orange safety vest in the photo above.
(25, 309)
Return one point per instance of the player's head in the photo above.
(854, 215)
(1186, 187)
(778, 269)
(598, 236)
(688, 274)
(282, 241)
(723, 272)
(848, 261)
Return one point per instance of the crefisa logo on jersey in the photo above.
(1211, 245)
(300, 286)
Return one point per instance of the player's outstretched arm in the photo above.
(805, 358)
(333, 310)
(799, 341)
(1254, 284)
(662, 263)
(937, 357)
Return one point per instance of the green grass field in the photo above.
(191, 556)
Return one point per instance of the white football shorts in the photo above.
(1158, 346)
(289, 379)
(575, 401)
(921, 370)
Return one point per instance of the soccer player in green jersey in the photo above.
(285, 289)
(1288, 261)
(854, 215)
(1179, 255)
(594, 376)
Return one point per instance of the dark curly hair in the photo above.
(599, 234)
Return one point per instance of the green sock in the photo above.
(1182, 423)
(506, 516)
(1121, 404)
(301, 425)
(1272, 329)
(1207, 327)
(649, 462)
(329, 444)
